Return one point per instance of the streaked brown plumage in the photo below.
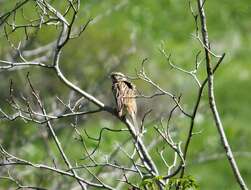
(124, 92)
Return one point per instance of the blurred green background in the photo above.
(120, 36)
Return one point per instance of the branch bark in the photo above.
(212, 101)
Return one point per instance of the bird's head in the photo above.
(117, 76)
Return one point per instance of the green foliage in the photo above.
(150, 183)
(185, 183)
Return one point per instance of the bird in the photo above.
(124, 92)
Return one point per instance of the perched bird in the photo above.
(124, 93)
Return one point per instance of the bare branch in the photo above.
(212, 101)
(143, 76)
(19, 161)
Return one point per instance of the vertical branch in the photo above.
(195, 110)
(211, 97)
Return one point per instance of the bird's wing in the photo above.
(118, 97)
